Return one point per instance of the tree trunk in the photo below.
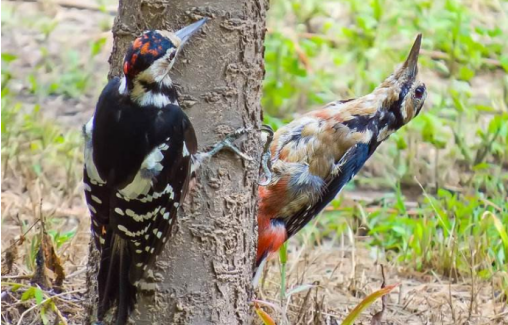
(203, 275)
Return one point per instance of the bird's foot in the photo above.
(266, 162)
(226, 143)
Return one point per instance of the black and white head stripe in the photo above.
(397, 107)
(145, 50)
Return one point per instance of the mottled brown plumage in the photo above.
(314, 156)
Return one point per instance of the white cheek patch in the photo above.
(156, 73)
(403, 110)
(156, 99)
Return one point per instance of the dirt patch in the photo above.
(344, 274)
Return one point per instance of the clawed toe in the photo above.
(266, 163)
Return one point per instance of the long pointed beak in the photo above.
(185, 33)
(410, 67)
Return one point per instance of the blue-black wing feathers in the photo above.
(352, 161)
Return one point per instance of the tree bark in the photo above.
(203, 275)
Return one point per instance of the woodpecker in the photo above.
(315, 155)
(139, 154)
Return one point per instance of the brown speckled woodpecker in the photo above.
(140, 156)
(314, 156)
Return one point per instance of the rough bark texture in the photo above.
(204, 273)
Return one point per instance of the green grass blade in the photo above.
(353, 315)
(500, 229)
(283, 253)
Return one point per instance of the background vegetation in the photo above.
(431, 205)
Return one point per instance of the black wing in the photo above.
(141, 165)
(97, 193)
(147, 219)
(352, 161)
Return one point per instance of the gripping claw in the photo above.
(266, 163)
(228, 143)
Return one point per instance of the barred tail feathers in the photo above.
(115, 288)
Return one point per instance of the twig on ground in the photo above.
(23, 235)
(78, 272)
(377, 317)
(303, 308)
(450, 302)
(45, 301)
(17, 277)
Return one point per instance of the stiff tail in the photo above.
(258, 271)
(271, 235)
(115, 289)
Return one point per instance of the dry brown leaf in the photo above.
(10, 256)
(40, 276)
(47, 258)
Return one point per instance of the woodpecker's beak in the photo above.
(409, 69)
(185, 33)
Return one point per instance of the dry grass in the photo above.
(27, 201)
(344, 273)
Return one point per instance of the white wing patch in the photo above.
(152, 161)
(185, 151)
(142, 182)
(139, 186)
(91, 169)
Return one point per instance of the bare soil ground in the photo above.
(342, 270)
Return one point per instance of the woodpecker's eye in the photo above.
(419, 92)
(172, 56)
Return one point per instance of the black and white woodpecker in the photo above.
(140, 155)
